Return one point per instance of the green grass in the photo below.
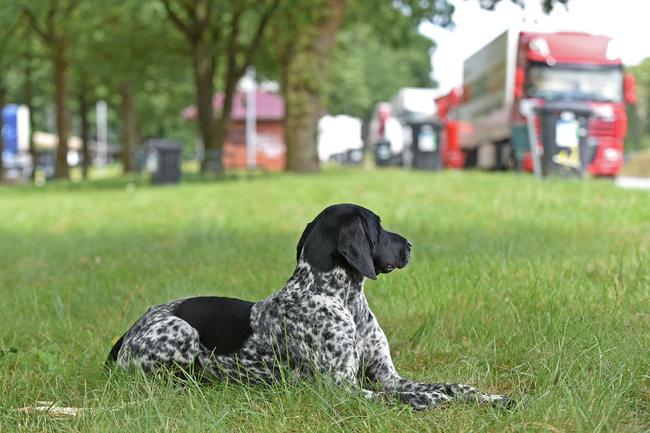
(539, 291)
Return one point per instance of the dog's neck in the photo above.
(345, 284)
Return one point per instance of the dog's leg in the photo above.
(159, 340)
(412, 391)
(343, 365)
(379, 366)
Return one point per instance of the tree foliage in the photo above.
(365, 71)
(151, 58)
(547, 5)
(8, 38)
(639, 114)
(147, 81)
(57, 24)
(222, 37)
(310, 26)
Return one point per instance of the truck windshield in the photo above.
(575, 83)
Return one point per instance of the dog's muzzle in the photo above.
(405, 255)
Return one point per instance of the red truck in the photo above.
(577, 79)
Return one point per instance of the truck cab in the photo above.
(579, 71)
(577, 68)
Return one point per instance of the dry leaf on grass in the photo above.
(51, 408)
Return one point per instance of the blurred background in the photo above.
(439, 115)
(205, 88)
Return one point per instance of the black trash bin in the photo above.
(565, 129)
(164, 161)
(425, 145)
(383, 154)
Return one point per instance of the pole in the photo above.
(102, 133)
(251, 116)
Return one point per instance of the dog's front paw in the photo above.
(500, 401)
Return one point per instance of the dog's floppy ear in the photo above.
(354, 246)
(301, 242)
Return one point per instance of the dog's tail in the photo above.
(112, 356)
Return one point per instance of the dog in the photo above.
(318, 323)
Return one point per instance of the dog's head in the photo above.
(351, 236)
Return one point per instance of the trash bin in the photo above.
(383, 153)
(425, 147)
(164, 161)
(565, 127)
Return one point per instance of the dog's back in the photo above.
(221, 326)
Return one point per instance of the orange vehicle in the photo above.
(452, 155)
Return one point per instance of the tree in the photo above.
(52, 27)
(234, 27)
(132, 58)
(305, 39)
(133, 40)
(639, 114)
(366, 70)
(547, 5)
(85, 64)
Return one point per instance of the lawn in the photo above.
(536, 290)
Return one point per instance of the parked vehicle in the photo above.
(451, 129)
(580, 74)
(391, 127)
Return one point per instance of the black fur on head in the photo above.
(351, 236)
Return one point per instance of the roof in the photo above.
(268, 105)
(573, 47)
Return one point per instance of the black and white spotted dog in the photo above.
(319, 321)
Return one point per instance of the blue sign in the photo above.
(10, 128)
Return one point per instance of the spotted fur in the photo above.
(319, 322)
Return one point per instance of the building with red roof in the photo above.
(270, 146)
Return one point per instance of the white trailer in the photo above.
(488, 97)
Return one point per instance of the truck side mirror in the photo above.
(629, 88)
(519, 82)
(455, 97)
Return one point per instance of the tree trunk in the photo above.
(3, 95)
(302, 107)
(305, 71)
(60, 71)
(84, 110)
(129, 125)
(203, 74)
(222, 124)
